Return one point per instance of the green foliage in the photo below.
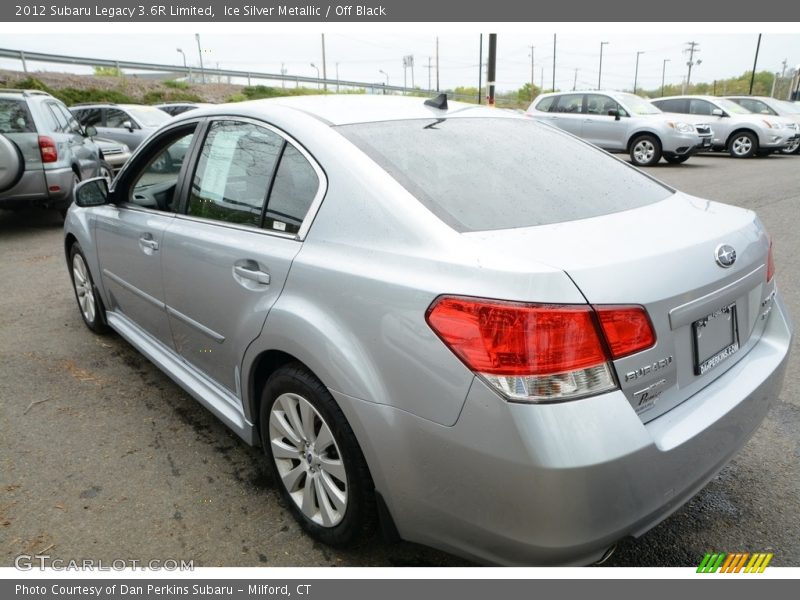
(177, 85)
(762, 86)
(158, 96)
(107, 72)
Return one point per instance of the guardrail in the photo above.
(24, 56)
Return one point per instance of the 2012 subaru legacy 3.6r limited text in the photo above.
(467, 326)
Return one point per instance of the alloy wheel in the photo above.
(83, 288)
(308, 459)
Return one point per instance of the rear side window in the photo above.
(296, 185)
(14, 117)
(495, 173)
(546, 104)
(674, 105)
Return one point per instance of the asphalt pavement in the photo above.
(103, 457)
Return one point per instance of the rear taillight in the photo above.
(540, 352)
(48, 150)
(770, 263)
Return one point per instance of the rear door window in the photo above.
(89, 116)
(570, 103)
(233, 173)
(14, 117)
(546, 104)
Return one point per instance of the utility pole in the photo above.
(575, 80)
(200, 52)
(283, 72)
(691, 48)
(437, 64)
(600, 70)
(636, 75)
(324, 66)
(755, 62)
(663, 74)
(490, 77)
(337, 77)
(774, 81)
(532, 84)
(429, 72)
(542, 86)
(480, 71)
(554, 62)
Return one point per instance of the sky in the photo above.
(362, 55)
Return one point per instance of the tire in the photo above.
(794, 148)
(106, 171)
(742, 144)
(675, 159)
(90, 305)
(645, 150)
(328, 489)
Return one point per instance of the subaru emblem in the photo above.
(725, 255)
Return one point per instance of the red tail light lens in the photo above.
(509, 338)
(48, 150)
(770, 263)
(540, 352)
(627, 329)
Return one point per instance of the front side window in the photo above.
(700, 107)
(156, 184)
(89, 116)
(115, 118)
(600, 104)
(233, 173)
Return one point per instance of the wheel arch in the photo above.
(742, 130)
(639, 133)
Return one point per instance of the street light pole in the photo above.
(387, 79)
(663, 74)
(324, 64)
(184, 56)
(313, 66)
(636, 76)
(200, 52)
(533, 48)
(600, 70)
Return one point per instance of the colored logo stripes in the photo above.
(735, 562)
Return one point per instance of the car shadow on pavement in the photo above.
(19, 221)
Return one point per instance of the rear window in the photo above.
(14, 117)
(494, 173)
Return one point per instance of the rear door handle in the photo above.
(147, 241)
(252, 274)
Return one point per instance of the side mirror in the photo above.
(614, 113)
(90, 131)
(128, 125)
(92, 192)
(718, 112)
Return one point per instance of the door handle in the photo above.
(252, 274)
(147, 241)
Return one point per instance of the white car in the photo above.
(764, 105)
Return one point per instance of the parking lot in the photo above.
(103, 457)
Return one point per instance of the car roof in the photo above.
(346, 109)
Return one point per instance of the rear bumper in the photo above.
(38, 188)
(560, 483)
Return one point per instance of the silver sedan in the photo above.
(457, 323)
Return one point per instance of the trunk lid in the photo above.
(662, 256)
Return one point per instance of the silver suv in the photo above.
(129, 124)
(45, 151)
(736, 129)
(763, 105)
(622, 122)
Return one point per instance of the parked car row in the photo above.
(674, 128)
(454, 324)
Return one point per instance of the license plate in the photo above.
(706, 143)
(716, 337)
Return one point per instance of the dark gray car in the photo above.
(45, 151)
